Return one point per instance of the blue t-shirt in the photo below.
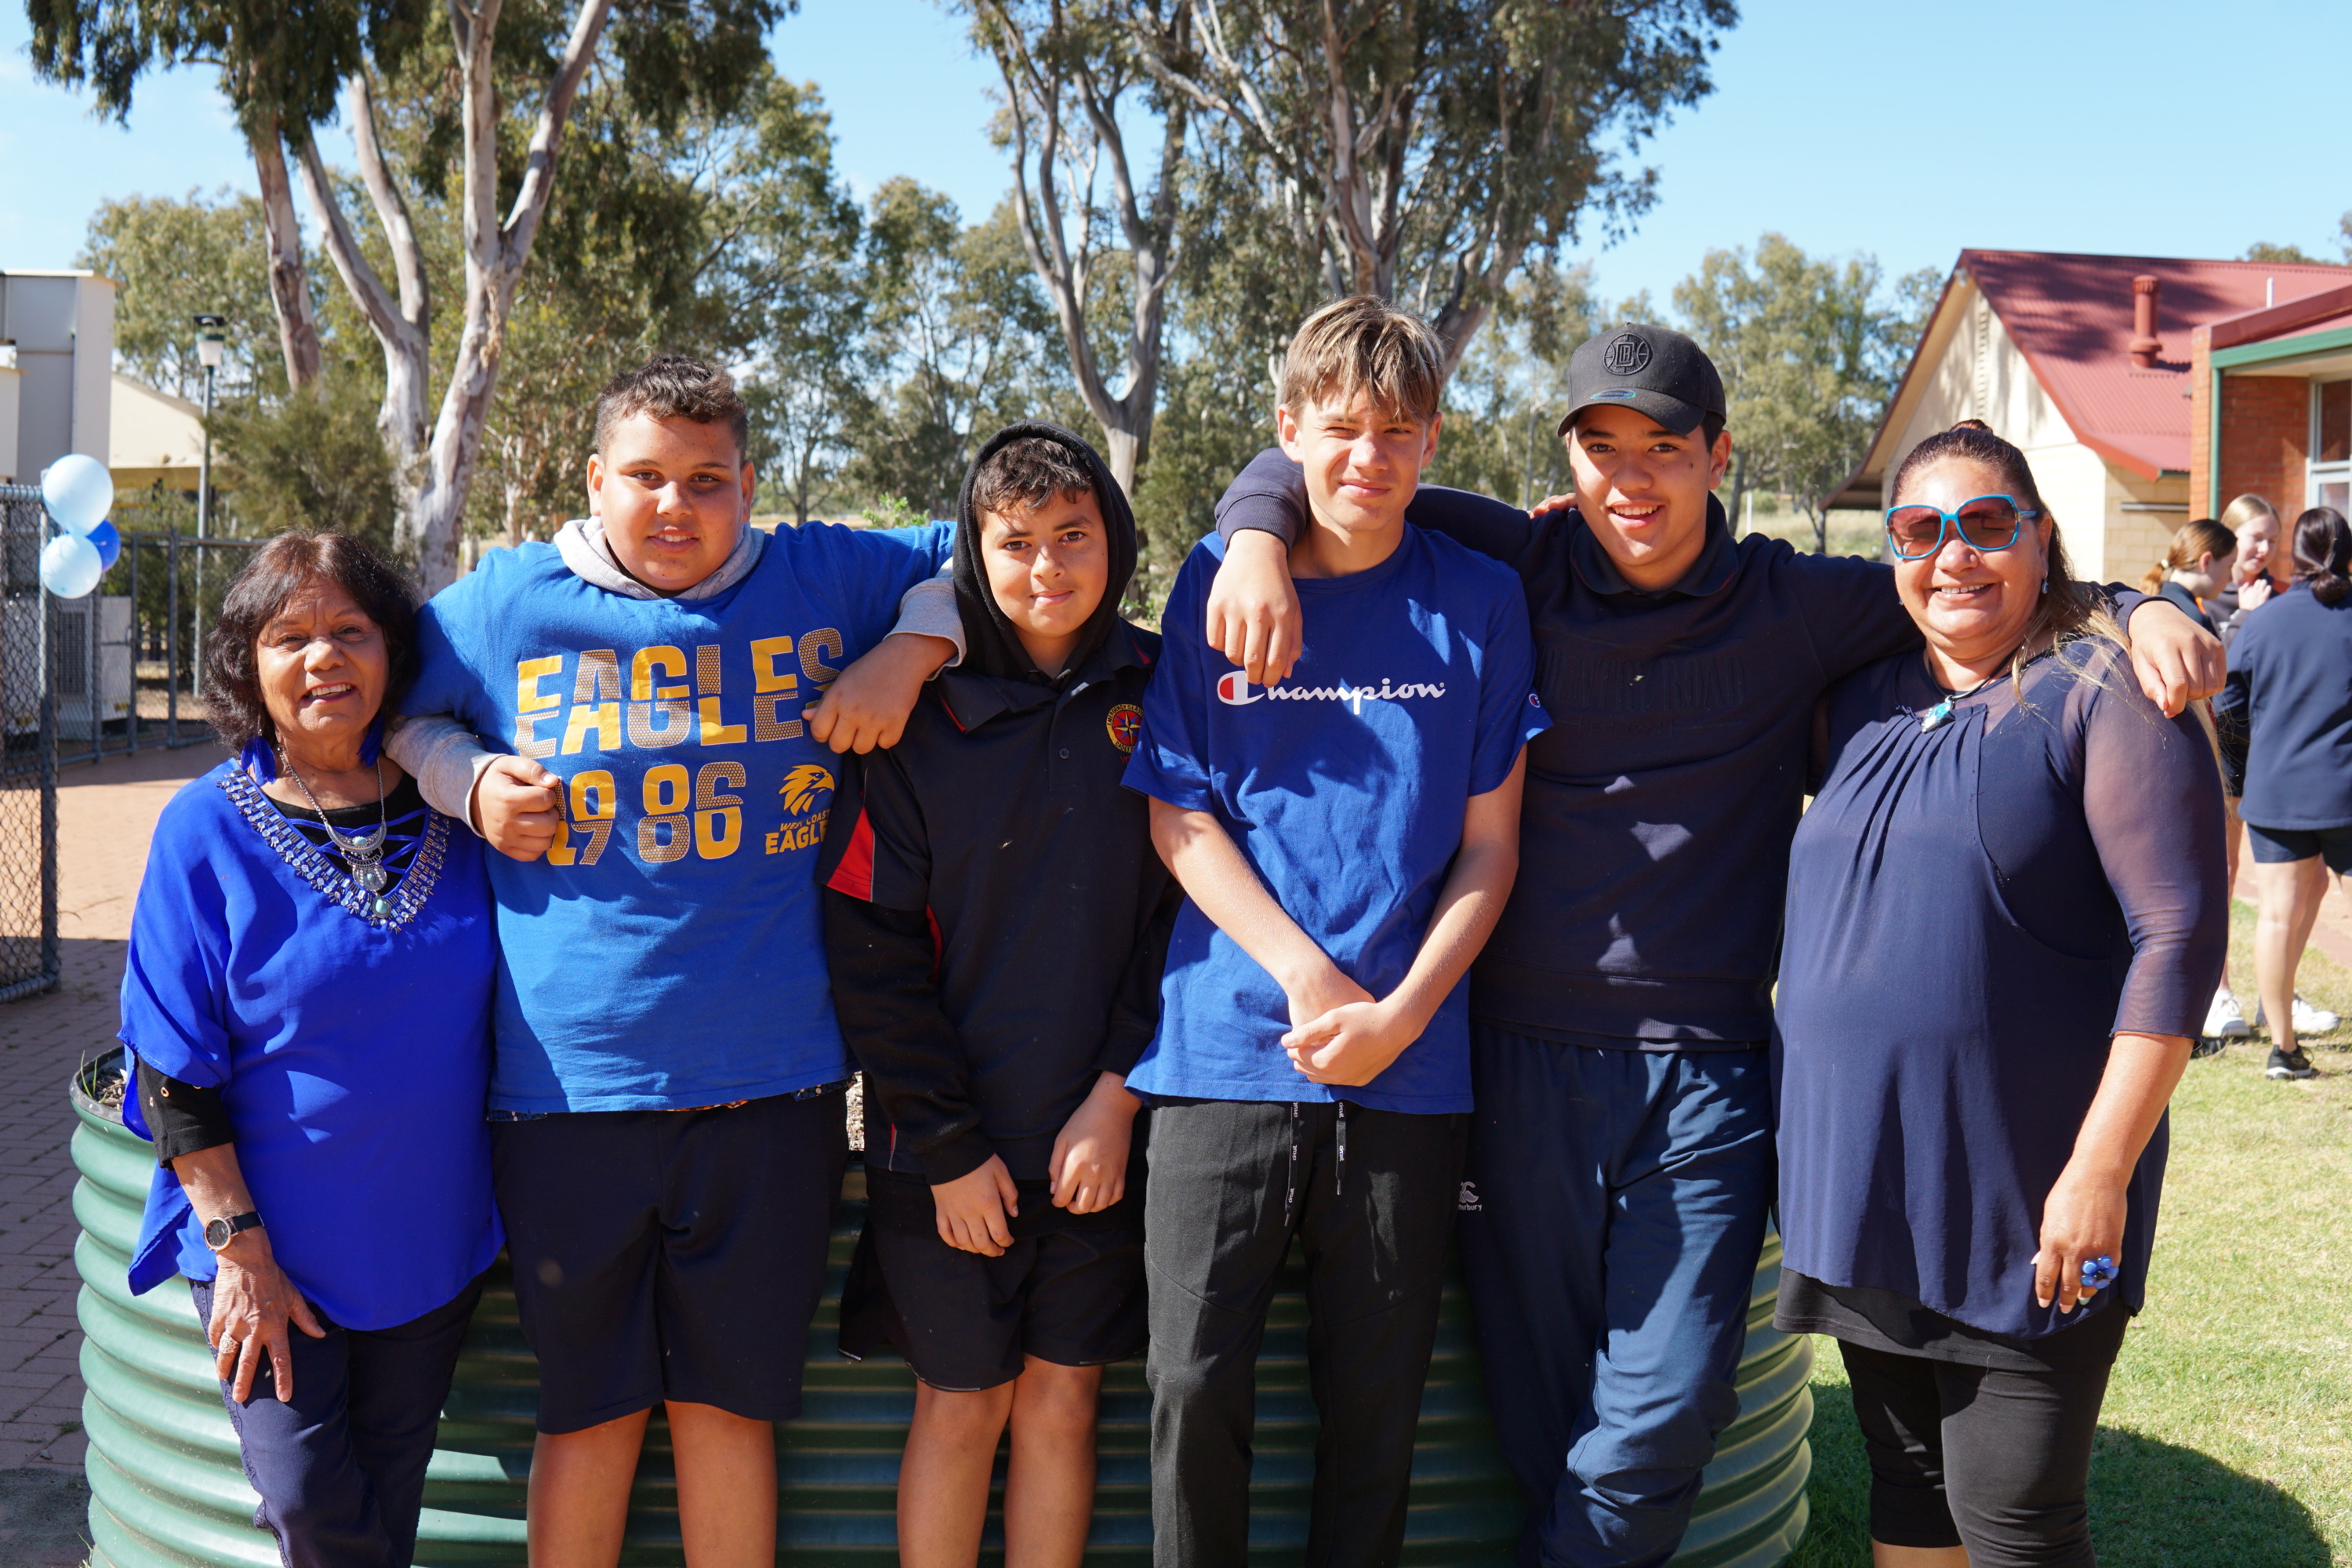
(351, 1052)
(666, 952)
(1344, 785)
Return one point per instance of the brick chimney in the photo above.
(2145, 344)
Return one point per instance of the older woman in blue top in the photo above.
(2005, 920)
(306, 1000)
(2291, 687)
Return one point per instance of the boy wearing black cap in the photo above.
(1619, 1168)
(996, 920)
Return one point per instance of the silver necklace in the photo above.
(364, 853)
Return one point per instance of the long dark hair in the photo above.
(275, 573)
(2068, 611)
(2323, 550)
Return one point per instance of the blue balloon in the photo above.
(79, 492)
(71, 566)
(109, 542)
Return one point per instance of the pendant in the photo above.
(1938, 716)
(371, 876)
(381, 907)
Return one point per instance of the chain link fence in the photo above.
(108, 674)
(28, 757)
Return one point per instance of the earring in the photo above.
(2045, 583)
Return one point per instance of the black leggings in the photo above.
(1998, 1461)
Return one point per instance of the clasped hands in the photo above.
(1088, 1170)
(1340, 1035)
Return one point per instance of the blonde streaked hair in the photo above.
(2245, 508)
(1365, 346)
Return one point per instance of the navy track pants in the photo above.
(1611, 1226)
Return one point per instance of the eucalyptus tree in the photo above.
(1075, 77)
(504, 77)
(1810, 349)
(1424, 150)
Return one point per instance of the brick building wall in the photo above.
(2266, 437)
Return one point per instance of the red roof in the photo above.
(2072, 316)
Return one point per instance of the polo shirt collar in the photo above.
(1717, 560)
(972, 700)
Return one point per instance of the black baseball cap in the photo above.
(1654, 369)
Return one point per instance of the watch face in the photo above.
(217, 1233)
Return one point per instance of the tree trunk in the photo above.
(290, 284)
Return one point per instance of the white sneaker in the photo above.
(2308, 1019)
(2225, 1020)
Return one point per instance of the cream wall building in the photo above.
(2087, 373)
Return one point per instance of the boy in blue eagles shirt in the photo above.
(1346, 838)
(996, 921)
(667, 1103)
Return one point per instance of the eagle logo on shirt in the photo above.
(1125, 723)
(802, 786)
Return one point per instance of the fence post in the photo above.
(171, 638)
(131, 548)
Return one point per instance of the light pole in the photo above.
(211, 337)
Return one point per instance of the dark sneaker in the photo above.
(2290, 1064)
(2207, 1045)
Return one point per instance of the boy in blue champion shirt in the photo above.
(1346, 838)
(996, 920)
(667, 1103)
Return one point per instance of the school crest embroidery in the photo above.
(1125, 723)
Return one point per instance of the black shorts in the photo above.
(670, 1255)
(1071, 1294)
(2278, 846)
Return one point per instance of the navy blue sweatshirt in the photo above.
(1654, 844)
(2290, 687)
(995, 916)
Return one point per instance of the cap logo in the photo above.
(1627, 355)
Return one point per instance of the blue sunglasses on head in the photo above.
(1986, 524)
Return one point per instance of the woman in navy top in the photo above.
(2005, 919)
(307, 1005)
(2291, 689)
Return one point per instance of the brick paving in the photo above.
(106, 812)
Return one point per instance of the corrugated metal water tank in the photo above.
(167, 1489)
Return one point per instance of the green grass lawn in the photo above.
(2226, 1440)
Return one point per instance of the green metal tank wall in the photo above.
(167, 1491)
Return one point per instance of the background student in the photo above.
(2005, 914)
(2291, 682)
(996, 918)
(667, 1105)
(1346, 839)
(1621, 1148)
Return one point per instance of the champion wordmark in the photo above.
(1235, 690)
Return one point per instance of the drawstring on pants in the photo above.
(1339, 1175)
(1290, 1191)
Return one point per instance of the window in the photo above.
(2330, 469)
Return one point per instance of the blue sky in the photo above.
(1900, 129)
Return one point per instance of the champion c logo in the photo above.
(1233, 690)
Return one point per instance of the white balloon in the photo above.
(71, 566)
(79, 492)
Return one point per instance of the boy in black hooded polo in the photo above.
(996, 920)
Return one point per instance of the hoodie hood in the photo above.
(991, 647)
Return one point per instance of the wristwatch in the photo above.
(219, 1232)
